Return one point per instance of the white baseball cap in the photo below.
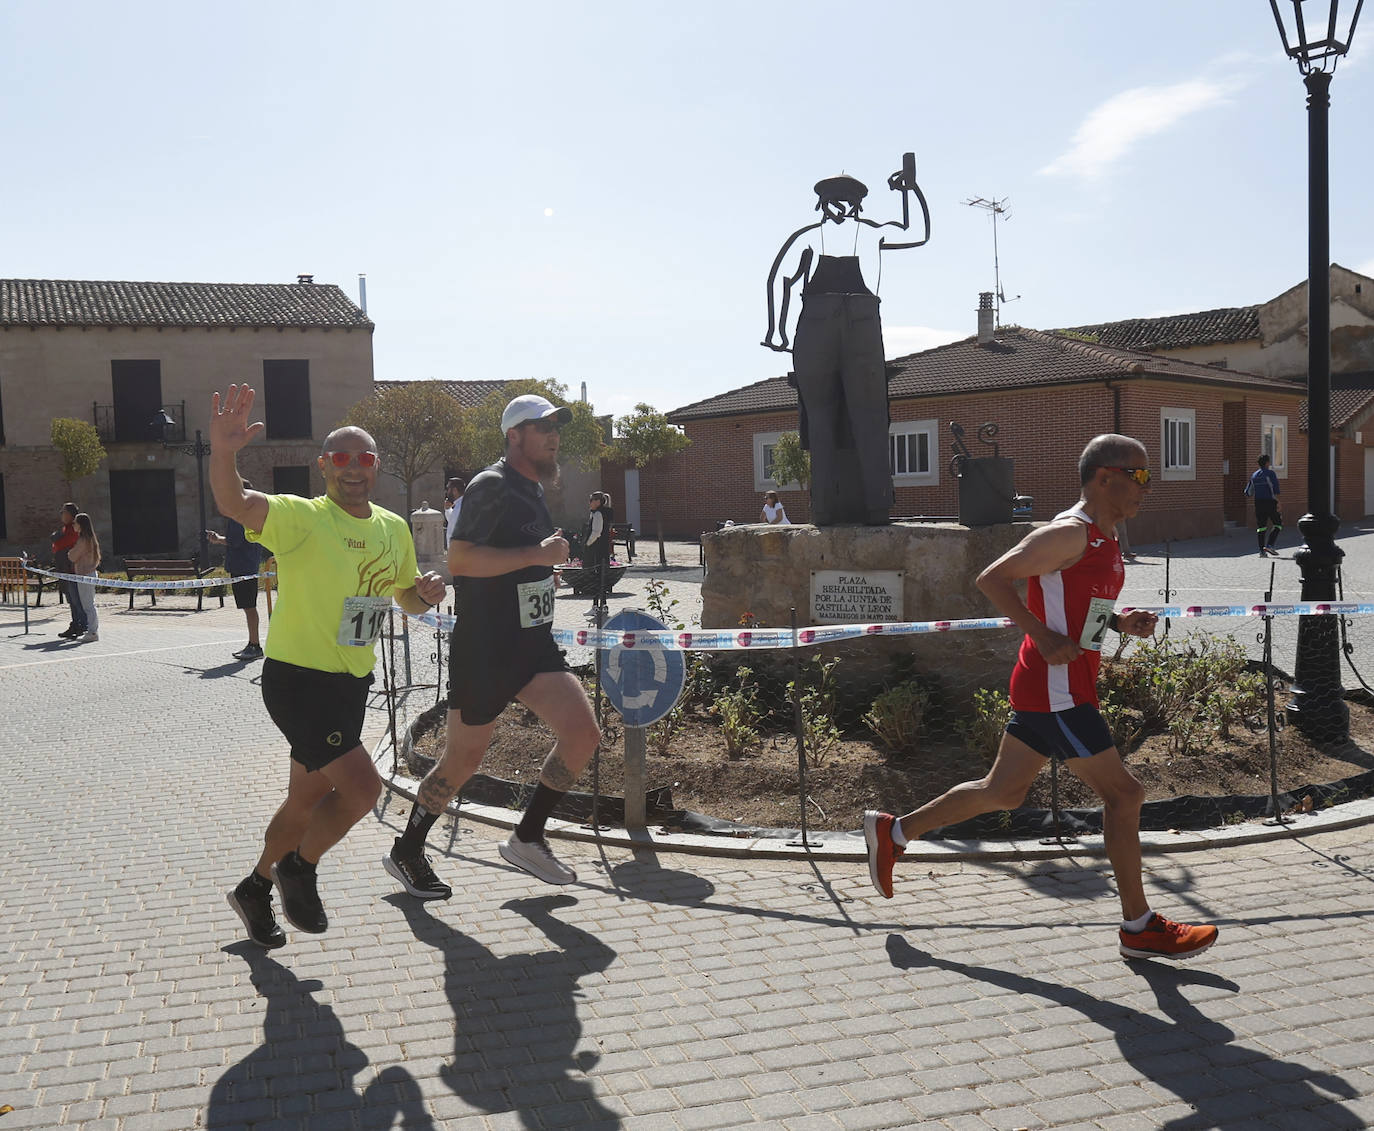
(531, 407)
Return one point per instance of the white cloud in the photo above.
(1110, 131)
(898, 341)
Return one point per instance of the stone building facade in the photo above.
(121, 354)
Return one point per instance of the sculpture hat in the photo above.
(844, 188)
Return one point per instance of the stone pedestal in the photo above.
(766, 571)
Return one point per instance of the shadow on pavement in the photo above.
(1186, 1052)
(306, 1064)
(515, 1017)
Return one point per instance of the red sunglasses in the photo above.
(343, 459)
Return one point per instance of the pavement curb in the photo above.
(849, 846)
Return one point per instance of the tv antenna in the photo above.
(995, 208)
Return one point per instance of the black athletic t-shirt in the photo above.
(502, 508)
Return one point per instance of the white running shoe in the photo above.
(536, 859)
(89, 638)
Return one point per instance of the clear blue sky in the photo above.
(595, 191)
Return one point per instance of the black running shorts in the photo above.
(1267, 511)
(1079, 732)
(246, 593)
(483, 680)
(320, 713)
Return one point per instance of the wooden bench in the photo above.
(623, 533)
(15, 581)
(169, 568)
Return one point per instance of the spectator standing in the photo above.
(85, 559)
(453, 502)
(63, 539)
(242, 558)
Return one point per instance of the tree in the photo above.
(483, 441)
(791, 462)
(78, 443)
(645, 437)
(417, 425)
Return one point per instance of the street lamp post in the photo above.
(200, 450)
(1317, 707)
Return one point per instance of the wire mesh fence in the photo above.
(802, 737)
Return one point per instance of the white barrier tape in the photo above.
(1268, 609)
(726, 639)
(121, 583)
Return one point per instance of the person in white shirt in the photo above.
(773, 514)
(453, 501)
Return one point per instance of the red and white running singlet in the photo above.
(1076, 602)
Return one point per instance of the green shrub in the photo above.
(739, 713)
(896, 716)
(991, 713)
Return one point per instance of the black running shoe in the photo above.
(416, 876)
(254, 907)
(249, 652)
(300, 901)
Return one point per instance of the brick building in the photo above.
(1172, 382)
(120, 354)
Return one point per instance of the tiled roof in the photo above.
(1174, 331)
(469, 394)
(772, 395)
(1018, 358)
(79, 302)
(1352, 394)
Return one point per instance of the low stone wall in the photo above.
(766, 571)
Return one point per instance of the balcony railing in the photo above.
(125, 427)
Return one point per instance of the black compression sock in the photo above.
(295, 862)
(540, 808)
(257, 883)
(412, 841)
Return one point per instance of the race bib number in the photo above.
(1095, 624)
(363, 620)
(536, 602)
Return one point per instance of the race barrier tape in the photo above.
(122, 583)
(727, 639)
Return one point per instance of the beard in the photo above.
(548, 469)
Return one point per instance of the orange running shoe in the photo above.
(1163, 938)
(881, 851)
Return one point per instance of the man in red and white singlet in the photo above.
(1076, 602)
(1072, 571)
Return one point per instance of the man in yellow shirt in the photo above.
(341, 561)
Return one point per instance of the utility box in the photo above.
(986, 494)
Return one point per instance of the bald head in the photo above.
(349, 437)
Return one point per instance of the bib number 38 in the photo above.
(363, 620)
(536, 602)
(1095, 624)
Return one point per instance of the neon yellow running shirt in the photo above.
(336, 575)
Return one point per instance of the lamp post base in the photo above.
(1317, 707)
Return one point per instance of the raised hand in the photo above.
(229, 427)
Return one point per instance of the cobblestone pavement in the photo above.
(669, 992)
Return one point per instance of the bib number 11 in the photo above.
(363, 620)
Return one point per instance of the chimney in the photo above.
(362, 292)
(305, 278)
(584, 392)
(985, 318)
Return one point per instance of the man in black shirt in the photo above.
(502, 556)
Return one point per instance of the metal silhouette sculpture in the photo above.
(837, 351)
